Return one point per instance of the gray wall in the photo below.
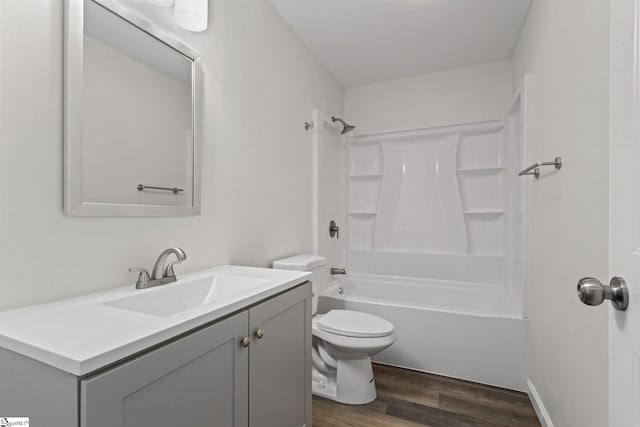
(260, 84)
(450, 97)
(565, 47)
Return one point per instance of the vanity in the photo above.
(227, 346)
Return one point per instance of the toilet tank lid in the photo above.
(300, 262)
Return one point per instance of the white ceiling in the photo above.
(368, 41)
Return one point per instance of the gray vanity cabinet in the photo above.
(200, 380)
(211, 378)
(280, 361)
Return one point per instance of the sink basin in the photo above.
(168, 300)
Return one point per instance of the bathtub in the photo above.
(452, 329)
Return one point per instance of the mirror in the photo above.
(132, 116)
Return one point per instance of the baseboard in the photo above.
(538, 405)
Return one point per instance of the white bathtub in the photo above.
(445, 328)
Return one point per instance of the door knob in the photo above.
(259, 333)
(245, 342)
(592, 292)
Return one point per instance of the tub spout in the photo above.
(338, 270)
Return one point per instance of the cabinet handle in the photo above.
(245, 341)
(259, 333)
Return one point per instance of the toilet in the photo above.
(343, 341)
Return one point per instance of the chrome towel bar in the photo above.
(175, 190)
(534, 169)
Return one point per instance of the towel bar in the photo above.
(534, 169)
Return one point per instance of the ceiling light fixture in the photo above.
(161, 3)
(192, 15)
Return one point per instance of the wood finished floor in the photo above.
(410, 399)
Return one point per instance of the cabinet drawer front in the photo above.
(198, 381)
(280, 361)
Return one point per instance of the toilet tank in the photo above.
(312, 263)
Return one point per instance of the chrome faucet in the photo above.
(338, 270)
(167, 272)
(160, 274)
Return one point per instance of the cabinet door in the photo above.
(280, 361)
(197, 381)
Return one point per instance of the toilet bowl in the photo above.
(343, 342)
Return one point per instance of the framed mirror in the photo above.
(132, 116)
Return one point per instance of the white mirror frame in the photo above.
(74, 205)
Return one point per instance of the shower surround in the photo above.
(435, 204)
(435, 245)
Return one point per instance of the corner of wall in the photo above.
(538, 405)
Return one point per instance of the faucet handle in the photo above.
(143, 274)
(168, 271)
(334, 230)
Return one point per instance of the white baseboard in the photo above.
(538, 405)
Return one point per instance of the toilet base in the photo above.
(352, 383)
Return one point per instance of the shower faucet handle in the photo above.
(334, 230)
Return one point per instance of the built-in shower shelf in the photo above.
(487, 212)
(488, 255)
(481, 170)
(362, 213)
(366, 176)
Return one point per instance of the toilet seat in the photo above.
(354, 324)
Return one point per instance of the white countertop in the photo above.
(83, 334)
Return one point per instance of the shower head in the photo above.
(346, 128)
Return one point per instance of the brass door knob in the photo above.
(259, 333)
(245, 341)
